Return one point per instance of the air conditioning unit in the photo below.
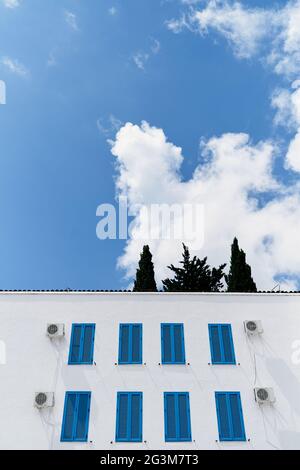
(44, 400)
(264, 395)
(253, 327)
(55, 330)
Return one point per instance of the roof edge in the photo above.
(127, 292)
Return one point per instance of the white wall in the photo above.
(35, 363)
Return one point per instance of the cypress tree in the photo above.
(195, 275)
(145, 280)
(239, 278)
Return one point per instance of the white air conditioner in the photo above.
(55, 330)
(264, 395)
(253, 327)
(44, 400)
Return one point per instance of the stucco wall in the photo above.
(36, 363)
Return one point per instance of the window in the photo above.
(130, 343)
(230, 416)
(172, 343)
(82, 343)
(129, 417)
(177, 416)
(75, 425)
(221, 344)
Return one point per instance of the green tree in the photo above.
(145, 279)
(195, 275)
(239, 278)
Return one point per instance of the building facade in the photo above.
(149, 371)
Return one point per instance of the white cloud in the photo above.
(109, 126)
(293, 154)
(71, 20)
(176, 25)
(140, 59)
(149, 172)
(11, 3)
(287, 104)
(285, 53)
(243, 28)
(273, 32)
(15, 66)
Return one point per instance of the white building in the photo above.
(31, 362)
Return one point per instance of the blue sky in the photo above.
(76, 71)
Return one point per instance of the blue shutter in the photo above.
(237, 420)
(215, 344)
(172, 343)
(74, 356)
(129, 426)
(221, 344)
(122, 416)
(228, 350)
(223, 416)
(82, 344)
(88, 344)
(135, 431)
(184, 417)
(178, 344)
(124, 344)
(230, 416)
(177, 417)
(170, 417)
(76, 417)
(69, 417)
(166, 344)
(136, 344)
(130, 343)
(83, 411)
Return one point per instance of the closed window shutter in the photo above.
(75, 343)
(136, 343)
(82, 344)
(130, 344)
(166, 343)
(136, 429)
(178, 343)
(230, 416)
(170, 416)
(83, 410)
(88, 344)
(223, 416)
(177, 417)
(69, 417)
(227, 343)
(215, 343)
(183, 412)
(122, 411)
(124, 343)
(129, 417)
(221, 344)
(172, 338)
(76, 416)
(237, 416)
